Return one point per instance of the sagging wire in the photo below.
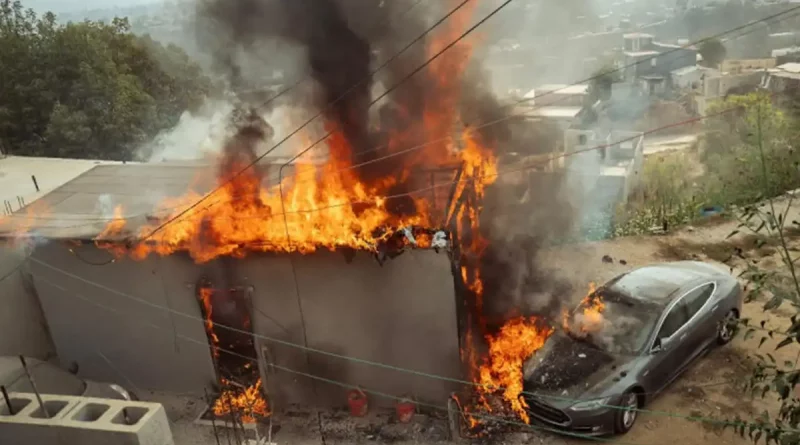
(482, 417)
(326, 353)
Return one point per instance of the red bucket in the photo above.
(357, 401)
(405, 410)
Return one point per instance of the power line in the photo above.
(308, 74)
(494, 122)
(205, 344)
(311, 349)
(546, 93)
(321, 112)
(528, 166)
(417, 147)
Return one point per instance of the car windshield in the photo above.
(613, 322)
(49, 379)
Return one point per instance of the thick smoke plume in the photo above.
(341, 42)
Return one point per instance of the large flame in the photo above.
(323, 207)
(248, 403)
(517, 340)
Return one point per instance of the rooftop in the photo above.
(641, 53)
(557, 112)
(557, 88)
(17, 172)
(82, 207)
(637, 35)
(791, 67)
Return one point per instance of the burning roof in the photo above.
(406, 175)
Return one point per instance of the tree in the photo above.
(90, 89)
(768, 221)
(713, 52)
(733, 153)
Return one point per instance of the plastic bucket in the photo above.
(405, 410)
(357, 401)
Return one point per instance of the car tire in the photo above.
(725, 331)
(627, 412)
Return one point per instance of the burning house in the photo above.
(402, 244)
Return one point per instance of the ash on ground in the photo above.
(381, 426)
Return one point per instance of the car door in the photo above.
(702, 326)
(669, 348)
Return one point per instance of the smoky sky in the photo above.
(342, 42)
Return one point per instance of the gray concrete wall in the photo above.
(22, 326)
(401, 314)
(149, 357)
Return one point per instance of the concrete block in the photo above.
(84, 420)
(29, 424)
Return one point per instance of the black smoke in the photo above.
(341, 43)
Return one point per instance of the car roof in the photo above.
(659, 283)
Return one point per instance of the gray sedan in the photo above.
(652, 323)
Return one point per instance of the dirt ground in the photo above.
(711, 389)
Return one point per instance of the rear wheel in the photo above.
(727, 327)
(626, 414)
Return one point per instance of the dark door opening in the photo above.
(230, 335)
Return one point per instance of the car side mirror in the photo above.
(73, 368)
(658, 346)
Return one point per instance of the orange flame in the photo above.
(205, 297)
(589, 318)
(249, 403)
(517, 340)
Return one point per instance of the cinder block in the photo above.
(84, 420)
(29, 424)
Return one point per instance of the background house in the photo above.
(651, 63)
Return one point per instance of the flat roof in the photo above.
(81, 208)
(791, 67)
(17, 172)
(557, 112)
(558, 88)
(632, 35)
(641, 53)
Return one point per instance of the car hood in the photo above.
(571, 369)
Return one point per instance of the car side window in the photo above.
(696, 298)
(676, 318)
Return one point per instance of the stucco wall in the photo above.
(401, 314)
(150, 358)
(22, 327)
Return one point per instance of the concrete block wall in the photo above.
(83, 420)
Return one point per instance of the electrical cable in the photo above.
(529, 166)
(205, 344)
(487, 124)
(309, 74)
(484, 125)
(311, 349)
(313, 118)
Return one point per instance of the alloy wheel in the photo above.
(631, 406)
(726, 327)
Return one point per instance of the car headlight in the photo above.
(121, 391)
(590, 404)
